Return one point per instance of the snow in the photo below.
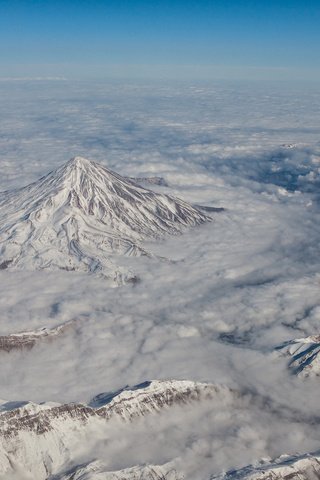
(42, 438)
(96, 471)
(80, 216)
(304, 355)
(302, 467)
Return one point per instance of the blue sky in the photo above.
(97, 38)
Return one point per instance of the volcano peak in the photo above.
(81, 214)
(79, 162)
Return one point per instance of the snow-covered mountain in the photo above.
(40, 438)
(304, 355)
(299, 467)
(97, 471)
(28, 339)
(78, 216)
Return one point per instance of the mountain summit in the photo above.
(81, 214)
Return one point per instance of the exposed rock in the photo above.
(40, 438)
(127, 404)
(21, 340)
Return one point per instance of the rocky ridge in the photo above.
(40, 438)
(21, 340)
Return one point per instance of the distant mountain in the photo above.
(39, 439)
(304, 355)
(28, 339)
(42, 441)
(160, 181)
(298, 467)
(97, 471)
(81, 215)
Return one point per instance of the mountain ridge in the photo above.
(41, 438)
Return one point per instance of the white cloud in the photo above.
(239, 286)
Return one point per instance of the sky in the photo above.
(178, 39)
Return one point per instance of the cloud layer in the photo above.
(237, 288)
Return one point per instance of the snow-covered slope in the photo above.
(77, 216)
(97, 471)
(299, 467)
(40, 439)
(304, 355)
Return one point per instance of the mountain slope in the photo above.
(78, 216)
(40, 438)
(304, 355)
(28, 339)
(299, 467)
(97, 471)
